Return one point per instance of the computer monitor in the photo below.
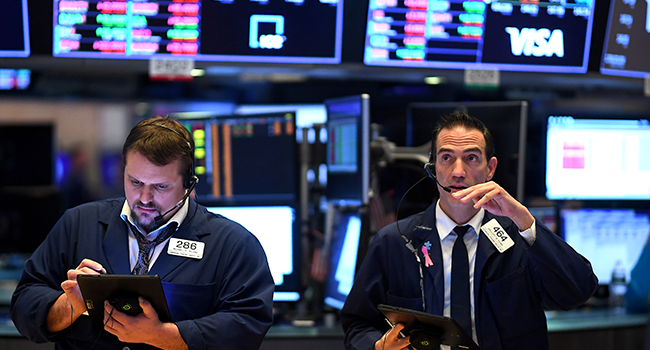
(245, 159)
(348, 149)
(587, 158)
(277, 230)
(343, 256)
(295, 31)
(506, 120)
(606, 236)
(626, 40)
(27, 214)
(26, 155)
(14, 29)
(549, 36)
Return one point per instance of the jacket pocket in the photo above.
(189, 301)
(408, 303)
(516, 305)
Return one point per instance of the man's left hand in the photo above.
(143, 328)
(493, 198)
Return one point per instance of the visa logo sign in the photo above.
(536, 42)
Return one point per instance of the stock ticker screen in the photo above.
(288, 31)
(526, 35)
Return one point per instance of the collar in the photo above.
(178, 217)
(445, 224)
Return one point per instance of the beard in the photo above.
(147, 227)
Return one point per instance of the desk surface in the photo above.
(558, 321)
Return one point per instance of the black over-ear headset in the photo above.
(189, 180)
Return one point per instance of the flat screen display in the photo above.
(14, 29)
(545, 36)
(245, 159)
(627, 39)
(27, 154)
(346, 233)
(588, 158)
(290, 31)
(348, 149)
(274, 227)
(506, 120)
(606, 236)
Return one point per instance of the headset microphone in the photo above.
(427, 168)
(160, 217)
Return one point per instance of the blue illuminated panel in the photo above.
(343, 259)
(291, 31)
(14, 29)
(543, 36)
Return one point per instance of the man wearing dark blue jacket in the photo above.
(476, 255)
(219, 290)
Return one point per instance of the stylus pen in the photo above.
(401, 334)
(391, 325)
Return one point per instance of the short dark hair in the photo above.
(458, 119)
(161, 146)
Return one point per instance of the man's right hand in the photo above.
(70, 305)
(392, 339)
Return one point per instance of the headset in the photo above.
(430, 168)
(189, 180)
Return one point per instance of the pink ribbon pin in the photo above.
(427, 258)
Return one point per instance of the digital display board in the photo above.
(527, 35)
(287, 31)
(14, 29)
(627, 39)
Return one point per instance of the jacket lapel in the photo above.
(426, 232)
(484, 251)
(116, 243)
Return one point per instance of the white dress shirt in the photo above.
(134, 249)
(445, 225)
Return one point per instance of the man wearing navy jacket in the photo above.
(513, 266)
(218, 286)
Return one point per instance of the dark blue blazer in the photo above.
(511, 288)
(223, 301)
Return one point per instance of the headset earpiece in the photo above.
(430, 168)
(190, 181)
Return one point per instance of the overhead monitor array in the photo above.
(297, 31)
(523, 35)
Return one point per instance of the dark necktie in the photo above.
(460, 297)
(146, 246)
